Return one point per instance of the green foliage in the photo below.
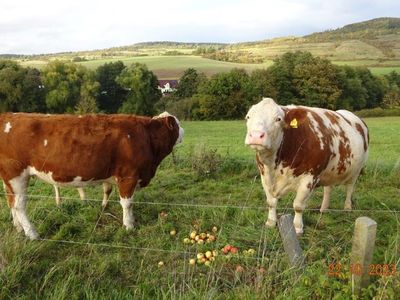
(226, 95)
(112, 94)
(89, 92)
(143, 93)
(20, 88)
(188, 83)
(63, 81)
(378, 112)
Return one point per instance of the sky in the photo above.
(50, 26)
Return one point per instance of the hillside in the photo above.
(373, 43)
(363, 30)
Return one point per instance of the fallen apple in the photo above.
(192, 261)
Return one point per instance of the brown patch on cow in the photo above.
(260, 165)
(282, 171)
(300, 149)
(298, 210)
(344, 152)
(362, 133)
(332, 117)
(9, 195)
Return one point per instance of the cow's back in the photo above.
(67, 145)
(332, 146)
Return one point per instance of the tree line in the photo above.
(294, 78)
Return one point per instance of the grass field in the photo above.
(210, 180)
(172, 67)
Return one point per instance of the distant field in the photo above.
(88, 255)
(172, 67)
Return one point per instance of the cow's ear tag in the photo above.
(293, 123)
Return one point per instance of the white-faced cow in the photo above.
(77, 151)
(299, 148)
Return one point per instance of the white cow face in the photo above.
(181, 130)
(265, 122)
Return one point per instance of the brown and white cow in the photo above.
(299, 148)
(68, 150)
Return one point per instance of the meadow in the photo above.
(209, 180)
(172, 67)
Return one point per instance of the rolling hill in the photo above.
(374, 43)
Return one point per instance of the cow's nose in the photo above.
(255, 137)
(257, 134)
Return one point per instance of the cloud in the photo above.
(44, 26)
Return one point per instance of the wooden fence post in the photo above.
(290, 241)
(361, 253)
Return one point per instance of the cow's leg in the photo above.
(126, 188)
(57, 192)
(81, 193)
(107, 188)
(326, 199)
(271, 202)
(10, 201)
(299, 204)
(19, 187)
(349, 193)
(272, 218)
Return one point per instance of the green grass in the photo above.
(172, 67)
(228, 194)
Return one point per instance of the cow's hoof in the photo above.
(323, 209)
(129, 227)
(270, 223)
(18, 227)
(32, 235)
(299, 231)
(347, 207)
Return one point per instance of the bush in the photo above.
(205, 161)
(378, 112)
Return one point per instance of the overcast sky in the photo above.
(48, 26)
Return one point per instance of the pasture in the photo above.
(209, 180)
(172, 67)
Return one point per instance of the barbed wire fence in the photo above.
(224, 150)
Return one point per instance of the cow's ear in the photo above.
(171, 123)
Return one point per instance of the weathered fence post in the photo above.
(361, 253)
(290, 241)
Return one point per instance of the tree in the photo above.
(11, 76)
(63, 81)
(226, 95)
(142, 86)
(20, 88)
(188, 83)
(262, 83)
(354, 94)
(316, 83)
(112, 94)
(88, 93)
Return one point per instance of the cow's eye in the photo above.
(247, 117)
(278, 119)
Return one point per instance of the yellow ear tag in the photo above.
(293, 123)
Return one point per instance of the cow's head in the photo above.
(265, 122)
(170, 120)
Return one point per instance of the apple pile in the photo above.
(201, 237)
(228, 249)
(204, 258)
(249, 252)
